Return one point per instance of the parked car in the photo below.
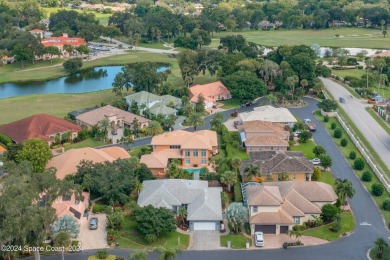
(114, 132)
(315, 161)
(310, 125)
(93, 223)
(236, 124)
(259, 239)
(247, 104)
(296, 133)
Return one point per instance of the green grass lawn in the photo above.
(323, 232)
(349, 37)
(328, 178)
(232, 152)
(136, 151)
(306, 148)
(103, 18)
(385, 254)
(236, 241)
(89, 142)
(379, 119)
(231, 103)
(353, 73)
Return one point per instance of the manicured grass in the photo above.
(328, 178)
(109, 257)
(379, 119)
(346, 151)
(306, 148)
(103, 18)
(385, 254)
(231, 103)
(136, 151)
(236, 241)
(349, 37)
(323, 232)
(358, 73)
(155, 45)
(232, 152)
(89, 142)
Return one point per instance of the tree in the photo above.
(69, 49)
(199, 105)
(344, 190)
(22, 53)
(229, 178)
(326, 161)
(291, 82)
(182, 213)
(225, 199)
(304, 136)
(115, 220)
(167, 253)
(295, 233)
(377, 189)
(195, 120)
(143, 173)
(327, 105)
(37, 152)
(217, 122)
(233, 42)
(138, 187)
(153, 222)
(237, 215)
(236, 163)
(66, 224)
(52, 50)
(62, 239)
(154, 128)
(358, 164)
(139, 255)
(318, 150)
(103, 127)
(272, 99)
(329, 212)
(73, 65)
(381, 244)
(269, 71)
(316, 174)
(250, 172)
(82, 49)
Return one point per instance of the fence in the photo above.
(382, 113)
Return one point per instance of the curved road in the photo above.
(354, 246)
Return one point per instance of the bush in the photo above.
(333, 126)
(299, 227)
(344, 142)
(101, 254)
(367, 176)
(360, 67)
(304, 136)
(358, 164)
(97, 208)
(377, 189)
(337, 133)
(336, 226)
(237, 192)
(352, 155)
(386, 205)
(329, 212)
(326, 118)
(5, 140)
(327, 105)
(316, 174)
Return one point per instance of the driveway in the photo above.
(93, 239)
(116, 137)
(276, 241)
(205, 240)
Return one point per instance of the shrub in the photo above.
(386, 205)
(333, 126)
(344, 142)
(336, 226)
(329, 212)
(328, 105)
(377, 189)
(304, 136)
(316, 174)
(360, 67)
(299, 227)
(367, 176)
(97, 208)
(237, 192)
(101, 254)
(358, 164)
(318, 150)
(337, 133)
(326, 118)
(352, 155)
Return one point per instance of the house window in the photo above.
(174, 147)
(187, 153)
(203, 161)
(260, 148)
(203, 153)
(195, 153)
(297, 220)
(187, 161)
(255, 209)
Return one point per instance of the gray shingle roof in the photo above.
(161, 108)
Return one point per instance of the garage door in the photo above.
(204, 226)
(283, 229)
(266, 229)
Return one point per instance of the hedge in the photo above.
(237, 192)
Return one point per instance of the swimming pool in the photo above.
(193, 170)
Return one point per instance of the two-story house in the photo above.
(275, 207)
(192, 149)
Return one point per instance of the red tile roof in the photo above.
(37, 126)
(36, 31)
(60, 41)
(209, 91)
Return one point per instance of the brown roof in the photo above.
(208, 91)
(93, 117)
(272, 218)
(67, 162)
(154, 160)
(37, 126)
(264, 197)
(204, 139)
(259, 126)
(266, 141)
(384, 54)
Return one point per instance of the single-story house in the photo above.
(211, 93)
(42, 126)
(384, 54)
(278, 165)
(68, 205)
(269, 113)
(275, 207)
(203, 203)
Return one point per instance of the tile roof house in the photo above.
(42, 126)
(116, 116)
(263, 135)
(37, 33)
(275, 207)
(384, 54)
(278, 165)
(60, 41)
(269, 113)
(66, 163)
(192, 149)
(68, 205)
(203, 203)
(211, 93)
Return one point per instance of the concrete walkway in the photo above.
(204, 240)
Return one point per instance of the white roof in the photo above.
(269, 113)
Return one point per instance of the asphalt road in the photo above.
(354, 246)
(368, 126)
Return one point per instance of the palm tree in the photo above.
(381, 244)
(304, 83)
(182, 213)
(139, 255)
(103, 126)
(344, 189)
(138, 187)
(62, 239)
(167, 253)
(154, 128)
(272, 99)
(382, 81)
(228, 178)
(195, 120)
(216, 121)
(236, 163)
(251, 171)
(291, 81)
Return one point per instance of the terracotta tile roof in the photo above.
(61, 40)
(67, 162)
(204, 139)
(2, 149)
(36, 31)
(93, 117)
(170, 153)
(264, 197)
(271, 218)
(259, 126)
(37, 126)
(66, 207)
(154, 161)
(208, 91)
(382, 54)
(266, 141)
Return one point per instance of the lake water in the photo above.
(94, 79)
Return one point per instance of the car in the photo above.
(259, 239)
(316, 161)
(342, 100)
(296, 133)
(114, 132)
(247, 104)
(93, 223)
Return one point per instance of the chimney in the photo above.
(65, 35)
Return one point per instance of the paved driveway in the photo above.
(205, 240)
(93, 239)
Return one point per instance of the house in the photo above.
(69, 205)
(278, 166)
(192, 149)
(116, 116)
(66, 163)
(203, 203)
(37, 33)
(211, 93)
(42, 126)
(269, 113)
(384, 54)
(59, 42)
(164, 105)
(275, 207)
(338, 23)
(263, 135)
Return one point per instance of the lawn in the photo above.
(89, 142)
(323, 232)
(348, 37)
(306, 148)
(328, 178)
(385, 254)
(109, 257)
(103, 18)
(236, 241)
(231, 103)
(136, 151)
(352, 72)
(232, 152)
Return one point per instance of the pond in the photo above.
(88, 80)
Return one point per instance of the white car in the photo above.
(259, 239)
(316, 161)
(296, 133)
